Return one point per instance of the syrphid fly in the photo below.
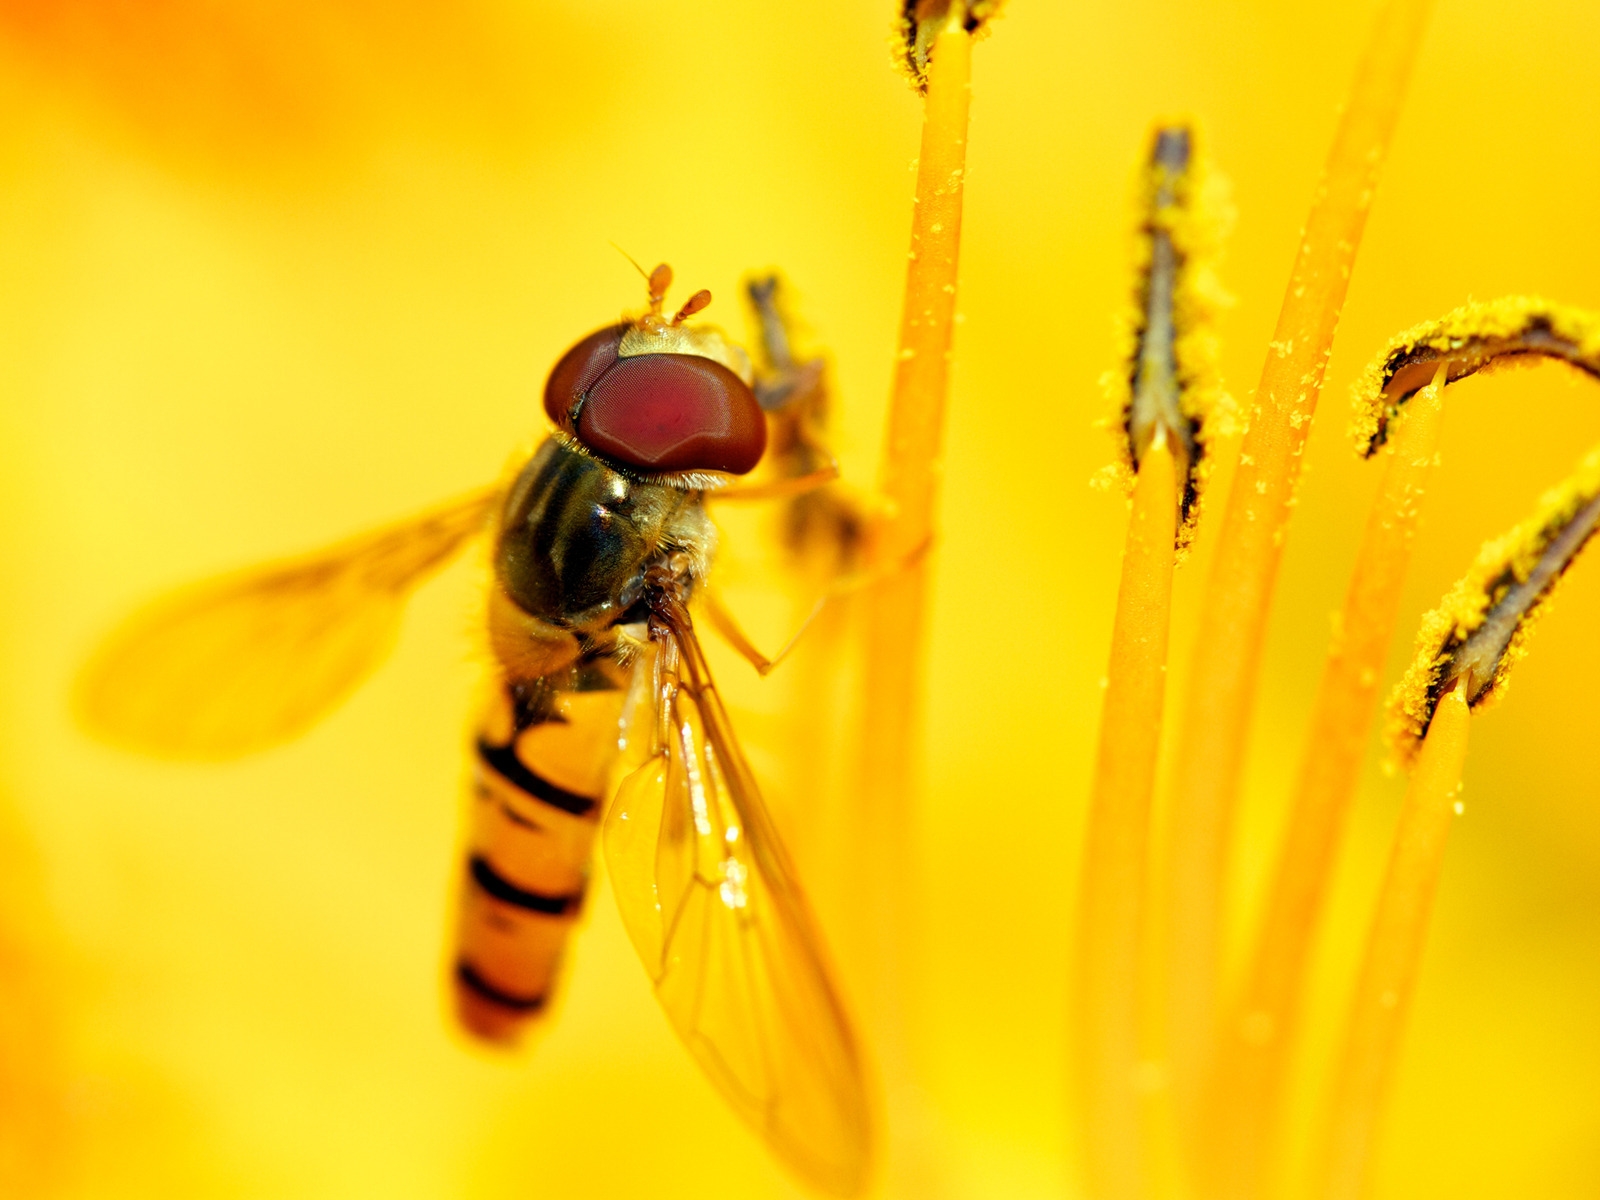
(601, 540)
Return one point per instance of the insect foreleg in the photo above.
(725, 623)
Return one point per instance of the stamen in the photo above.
(1481, 629)
(1109, 943)
(895, 622)
(1470, 339)
(1245, 1092)
(1250, 539)
(1366, 1062)
(1171, 380)
(1161, 413)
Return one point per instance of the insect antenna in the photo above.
(692, 305)
(660, 280)
(631, 259)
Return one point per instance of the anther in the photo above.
(1472, 338)
(1481, 629)
(922, 20)
(1168, 384)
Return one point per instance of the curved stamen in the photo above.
(1481, 629)
(1472, 338)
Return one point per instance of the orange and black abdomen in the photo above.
(538, 784)
(575, 539)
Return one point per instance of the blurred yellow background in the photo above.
(272, 273)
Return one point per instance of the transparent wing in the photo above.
(249, 660)
(710, 900)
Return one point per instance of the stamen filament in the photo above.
(915, 434)
(1165, 389)
(1467, 646)
(1111, 906)
(1255, 1042)
(1222, 679)
(895, 611)
(1393, 956)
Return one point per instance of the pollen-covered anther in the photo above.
(1169, 385)
(921, 22)
(1472, 338)
(1482, 627)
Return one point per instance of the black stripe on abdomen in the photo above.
(500, 888)
(468, 977)
(503, 761)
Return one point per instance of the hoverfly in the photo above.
(600, 541)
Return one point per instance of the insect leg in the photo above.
(725, 623)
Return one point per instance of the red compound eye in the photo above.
(673, 412)
(578, 371)
(656, 412)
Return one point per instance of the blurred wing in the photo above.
(249, 660)
(710, 900)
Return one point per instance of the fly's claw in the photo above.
(783, 383)
(829, 522)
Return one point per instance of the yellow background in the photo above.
(271, 273)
